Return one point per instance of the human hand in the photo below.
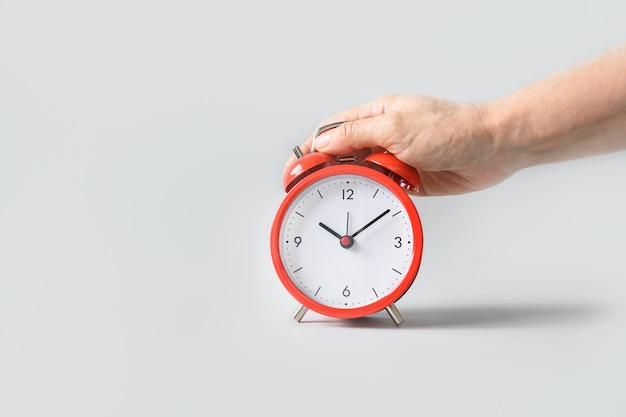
(450, 144)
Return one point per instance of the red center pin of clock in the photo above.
(346, 241)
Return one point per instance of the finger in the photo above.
(373, 132)
(364, 111)
(368, 110)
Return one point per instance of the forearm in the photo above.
(572, 114)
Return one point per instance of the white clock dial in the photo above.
(346, 241)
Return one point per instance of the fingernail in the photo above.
(322, 141)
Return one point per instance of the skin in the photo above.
(464, 147)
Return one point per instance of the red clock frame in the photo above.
(398, 191)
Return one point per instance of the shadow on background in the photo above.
(474, 317)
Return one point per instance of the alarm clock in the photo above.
(346, 241)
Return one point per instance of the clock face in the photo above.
(349, 244)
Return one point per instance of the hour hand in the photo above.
(331, 231)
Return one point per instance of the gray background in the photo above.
(141, 150)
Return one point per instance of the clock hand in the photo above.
(332, 232)
(370, 223)
(345, 241)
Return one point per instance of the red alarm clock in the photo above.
(346, 241)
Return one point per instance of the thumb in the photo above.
(355, 134)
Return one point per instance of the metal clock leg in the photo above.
(394, 314)
(300, 312)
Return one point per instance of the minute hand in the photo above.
(370, 223)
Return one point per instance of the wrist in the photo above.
(503, 127)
